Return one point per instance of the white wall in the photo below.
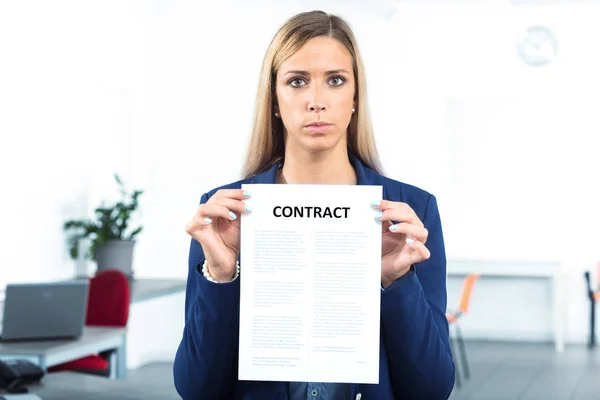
(71, 80)
(518, 176)
(163, 94)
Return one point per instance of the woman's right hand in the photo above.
(216, 226)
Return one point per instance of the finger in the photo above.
(397, 211)
(206, 212)
(196, 222)
(385, 204)
(238, 194)
(232, 205)
(420, 253)
(412, 231)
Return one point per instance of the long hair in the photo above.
(266, 145)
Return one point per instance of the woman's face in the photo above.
(316, 85)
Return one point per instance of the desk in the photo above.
(141, 289)
(551, 270)
(151, 288)
(74, 386)
(49, 353)
(150, 297)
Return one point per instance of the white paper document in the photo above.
(310, 276)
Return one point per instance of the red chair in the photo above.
(108, 306)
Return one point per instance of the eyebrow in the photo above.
(306, 73)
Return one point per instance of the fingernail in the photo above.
(378, 215)
(393, 227)
(208, 220)
(409, 240)
(375, 203)
(247, 193)
(232, 215)
(247, 208)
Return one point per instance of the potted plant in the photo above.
(111, 240)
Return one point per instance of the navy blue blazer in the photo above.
(415, 357)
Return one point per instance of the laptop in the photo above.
(42, 311)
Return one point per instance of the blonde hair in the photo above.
(266, 146)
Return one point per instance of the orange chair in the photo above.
(593, 296)
(454, 317)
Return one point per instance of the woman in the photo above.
(312, 125)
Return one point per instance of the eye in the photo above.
(339, 79)
(296, 79)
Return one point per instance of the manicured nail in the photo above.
(409, 240)
(247, 208)
(207, 220)
(378, 215)
(375, 203)
(232, 215)
(247, 193)
(393, 227)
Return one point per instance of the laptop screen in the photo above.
(45, 310)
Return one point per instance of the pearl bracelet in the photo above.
(206, 274)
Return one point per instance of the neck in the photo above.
(318, 168)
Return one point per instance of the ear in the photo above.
(275, 104)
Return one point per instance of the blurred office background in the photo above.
(490, 105)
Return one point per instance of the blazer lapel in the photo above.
(268, 176)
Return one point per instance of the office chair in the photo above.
(593, 294)
(108, 306)
(453, 319)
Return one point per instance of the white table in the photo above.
(551, 270)
(157, 293)
(48, 353)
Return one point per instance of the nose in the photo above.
(316, 106)
(316, 102)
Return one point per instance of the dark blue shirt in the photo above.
(318, 391)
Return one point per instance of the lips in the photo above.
(318, 127)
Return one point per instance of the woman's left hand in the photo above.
(403, 243)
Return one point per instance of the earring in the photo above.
(353, 110)
(277, 115)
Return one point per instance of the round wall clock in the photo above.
(537, 46)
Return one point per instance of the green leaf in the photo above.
(111, 222)
(135, 232)
(74, 224)
(74, 247)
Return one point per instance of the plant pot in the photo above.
(116, 254)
